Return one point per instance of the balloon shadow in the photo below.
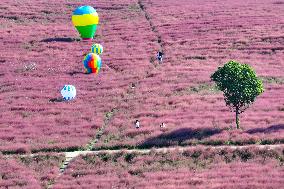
(178, 136)
(56, 100)
(75, 73)
(60, 39)
(270, 129)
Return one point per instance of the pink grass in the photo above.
(40, 53)
(199, 168)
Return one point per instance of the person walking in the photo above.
(160, 56)
(163, 125)
(137, 124)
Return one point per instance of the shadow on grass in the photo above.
(270, 129)
(56, 100)
(76, 73)
(178, 136)
(60, 39)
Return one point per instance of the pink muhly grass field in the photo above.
(199, 168)
(197, 38)
(38, 171)
(14, 175)
(41, 53)
(199, 118)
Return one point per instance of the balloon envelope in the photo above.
(97, 48)
(85, 19)
(92, 63)
(68, 92)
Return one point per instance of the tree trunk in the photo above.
(237, 118)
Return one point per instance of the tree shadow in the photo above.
(60, 39)
(178, 136)
(56, 100)
(270, 129)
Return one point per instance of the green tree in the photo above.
(239, 84)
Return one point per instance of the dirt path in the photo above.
(168, 149)
(153, 28)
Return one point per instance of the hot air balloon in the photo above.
(97, 48)
(68, 92)
(85, 19)
(92, 63)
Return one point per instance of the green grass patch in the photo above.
(134, 7)
(272, 80)
(203, 89)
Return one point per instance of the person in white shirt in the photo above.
(163, 125)
(137, 124)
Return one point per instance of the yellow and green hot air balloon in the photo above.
(97, 48)
(85, 19)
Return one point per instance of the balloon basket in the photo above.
(87, 39)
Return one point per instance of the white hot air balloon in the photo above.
(68, 92)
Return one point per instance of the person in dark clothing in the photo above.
(160, 56)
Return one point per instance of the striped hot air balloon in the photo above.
(92, 63)
(97, 48)
(85, 19)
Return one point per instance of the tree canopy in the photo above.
(239, 84)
